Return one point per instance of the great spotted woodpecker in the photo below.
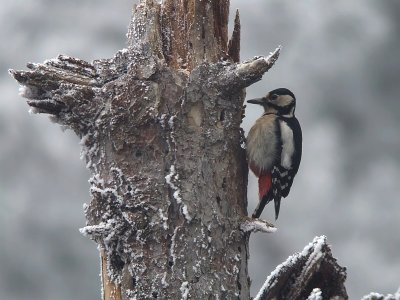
(274, 146)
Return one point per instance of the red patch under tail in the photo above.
(264, 184)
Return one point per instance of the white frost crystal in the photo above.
(316, 294)
(184, 290)
(172, 178)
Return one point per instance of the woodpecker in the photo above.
(274, 146)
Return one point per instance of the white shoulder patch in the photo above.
(287, 145)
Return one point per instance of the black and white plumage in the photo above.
(274, 146)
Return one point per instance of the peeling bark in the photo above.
(234, 42)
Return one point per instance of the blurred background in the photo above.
(341, 60)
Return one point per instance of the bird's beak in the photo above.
(256, 101)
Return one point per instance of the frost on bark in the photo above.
(311, 274)
(378, 296)
(160, 131)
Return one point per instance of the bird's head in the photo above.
(280, 101)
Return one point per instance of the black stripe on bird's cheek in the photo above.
(282, 110)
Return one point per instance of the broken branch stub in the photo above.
(256, 225)
(160, 132)
(306, 274)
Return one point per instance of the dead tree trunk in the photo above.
(160, 130)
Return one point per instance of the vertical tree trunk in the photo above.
(160, 130)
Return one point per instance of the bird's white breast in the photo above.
(287, 145)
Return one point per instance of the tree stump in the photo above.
(160, 129)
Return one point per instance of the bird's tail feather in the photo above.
(277, 202)
(260, 207)
(264, 192)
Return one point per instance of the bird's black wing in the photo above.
(276, 188)
(282, 178)
(287, 175)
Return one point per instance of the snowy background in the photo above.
(340, 58)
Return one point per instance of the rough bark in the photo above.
(160, 130)
(310, 274)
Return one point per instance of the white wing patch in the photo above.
(287, 145)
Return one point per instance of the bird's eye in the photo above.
(273, 97)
